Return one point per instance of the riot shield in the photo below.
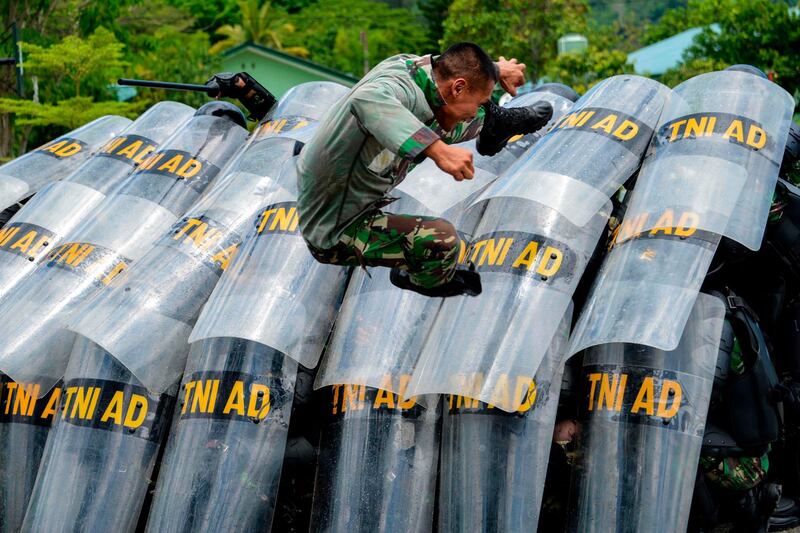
(59, 207)
(275, 293)
(55, 160)
(493, 463)
(25, 420)
(711, 172)
(607, 130)
(118, 231)
(380, 330)
(98, 460)
(643, 429)
(377, 462)
(530, 252)
(145, 320)
(45, 219)
(223, 461)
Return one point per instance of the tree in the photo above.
(261, 24)
(762, 33)
(67, 66)
(525, 29)
(330, 30)
(581, 70)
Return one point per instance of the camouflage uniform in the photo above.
(362, 150)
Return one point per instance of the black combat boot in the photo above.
(502, 123)
(464, 282)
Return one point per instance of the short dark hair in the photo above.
(468, 61)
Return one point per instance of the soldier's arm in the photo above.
(383, 108)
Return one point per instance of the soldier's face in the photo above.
(461, 101)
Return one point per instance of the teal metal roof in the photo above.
(664, 55)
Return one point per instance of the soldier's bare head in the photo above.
(465, 76)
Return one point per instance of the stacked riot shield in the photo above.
(115, 234)
(368, 364)
(36, 229)
(645, 412)
(531, 250)
(235, 393)
(55, 160)
(711, 172)
(492, 463)
(60, 206)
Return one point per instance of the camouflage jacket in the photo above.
(366, 144)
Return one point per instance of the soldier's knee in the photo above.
(445, 243)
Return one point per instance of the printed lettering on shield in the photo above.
(670, 224)
(717, 127)
(202, 237)
(525, 391)
(539, 258)
(88, 260)
(117, 407)
(227, 395)
(131, 149)
(278, 218)
(371, 401)
(62, 147)
(646, 396)
(181, 166)
(283, 125)
(20, 403)
(26, 240)
(615, 125)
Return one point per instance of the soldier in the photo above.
(407, 108)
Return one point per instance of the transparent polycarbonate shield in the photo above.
(699, 183)
(146, 318)
(380, 330)
(641, 436)
(222, 465)
(302, 106)
(717, 152)
(59, 207)
(275, 293)
(160, 297)
(493, 463)
(24, 424)
(114, 235)
(645, 291)
(377, 461)
(55, 160)
(103, 447)
(590, 152)
(530, 259)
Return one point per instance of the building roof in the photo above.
(297, 62)
(664, 55)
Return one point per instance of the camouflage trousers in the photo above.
(735, 473)
(427, 247)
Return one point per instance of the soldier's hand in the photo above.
(512, 74)
(451, 159)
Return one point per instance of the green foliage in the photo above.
(582, 70)
(525, 29)
(76, 59)
(689, 69)
(762, 33)
(69, 114)
(172, 55)
(330, 31)
(259, 23)
(756, 32)
(434, 13)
